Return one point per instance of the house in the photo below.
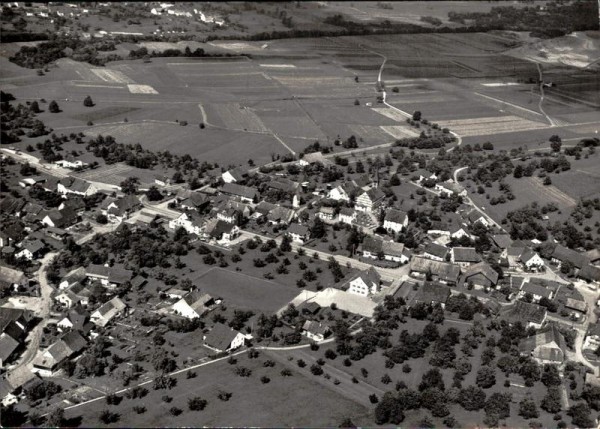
(10, 205)
(222, 338)
(435, 252)
(458, 230)
(244, 193)
(15, 321)
(536, 290)
(162, 181)
(433, 293)
(547, 346)
(316, 331)
(481, 276)
(475, 217)
(284, 185)
(8, 349)
(74, 276)
(195, 200)
(592, 337)
(450, 188)
(108, 311)
(441, 271)
(234, 175)
(347, 215)
(76, 319)
(108, 276)
(117, 210)
(372, 247)
(464, 256)
(280, 215)
(60, 218)
(370, 200)
(528, 314)
(47, 362)
(309, 308)
(365, 283)
(220, 231)
(326, 213)
(228, 215)
(56, 233)
(82, 292)
(11, 278)
(31, 181)
(593, 256)
(590, 273)
(7, 396)
(67, 299)
(31, 249)
(562, 254)
(71, 185)
(311, 158)
(577, 305)
(531, 260)
(187, 222)
(501, 241)
(72, 163)
(175, 293)
(395, 252)
(421, 175)
(395, 220)
(299, 233)
(343, 192)
(193, 305)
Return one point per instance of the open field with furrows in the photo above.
(285, 401)
(490, 126)
(582, 180)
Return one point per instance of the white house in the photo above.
(435, 252)
(228, 215)
(365, 283)
(76, 186)
(370, 200)
(475, 216)
(67, 299)
(222, 338)
(234, 175)
(531, 260)
(450, 188)
(347, 215)
(185, 221)
(299, 233)
(108, 311)
(316, 331)
(75, 276)
(193, 305)
(31, 249)
(326, 213)
(395, 220)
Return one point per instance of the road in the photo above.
(161, 209)
(541, 109)
(23, 367)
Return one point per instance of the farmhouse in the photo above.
(529, 314)
(176, 293)
(316, 331)
(220, 231)
(365, 283)
(451, 188)
(7, 396)
(433, 293)
(117, 210)
(475, 216)
(395, 220)
(299, 233)
(280, 215)
(347, 215)
(186, 222)
(592, 337)
(531, 260)
(108, 276)
(343, 192)
(577, 305)
(536, 290)
(547, 346)
(235, 175)
(222, 338)
(374, 248)
(435, 252)
(562, 254)
(228, 215)
(593, 256)
(70, 344)
(244, 193)
(501, 241)
(76, 186)
(31, 249)
(590, 274)
(11, 278)
(370, 200)
(464, 256)
(8, 348)
(442, 271)
(76, 319)
(311, 158)
(108, 311)
(193, 305)
(67, 299)
(74, 276)
(458, 230)
(83, 292)
(195, 200)
(481, 276)
(420, 175)
(72, 163)
(60, 218)
(284, 185)
(326, 213)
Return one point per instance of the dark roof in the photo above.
(590, 272)
(545, 337)
(296, 228)
(138, 281)
(220, 227)
(220, 337)
(74, 341)
(397, 216)
(368, 276)
(264, 207)
(283, 184)
(465, 254)
(436, 250)
(7, 346)
(375, 194)
(444, 270)
(10, 276)
(8, 315)
(372, 244)
(119, 275)
(536, 289)
(563, 254)
(63, 218)
(433, 292)
(593, 255)
(524, 312)
(484, 269)
(239, 190)
(11, 205)
(315, 328)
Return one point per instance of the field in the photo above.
(293, 401)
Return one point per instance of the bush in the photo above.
(197, 403)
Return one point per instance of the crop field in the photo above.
(244, 291)
(114, 174)
(583, 180)
(112, 76)
(490, 126)
(400, 132)
(253, 403)
(141, 89)
(235, 117)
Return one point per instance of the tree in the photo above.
(552, 402)
(108, 417)
(154, 194)
(555, 143)
(581, 415)
(551, 376)
(486, 377)
(347, 423)
(416, 115)
(472, 398)
(56, 418)
(528, 409)
(498, 405)
(87, 102)
(318, 229)
(35, 107)
(129, 186)
(197, 404)
(286, 244)
(53, 107)
(518, 172)
(101, 219)
(432, 378)
(547, 181)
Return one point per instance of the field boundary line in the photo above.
(510, 104)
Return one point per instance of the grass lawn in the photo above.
(284, 401)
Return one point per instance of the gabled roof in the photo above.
(346, 211)
(375, 194)
(75, 184)
(527, 255)
(545, 337)
(198, 300)
(264, 207)
(10, 276)
(590, 272)
(372, 244)
(109, 310)
(119, 275)
(238, 173)
(524, 312)
(465, 254)
(444, 270)
(564, 254)
(283, 184)
(593, 255)
(369, 276)
(280, 214)
(33, 246)
(74, 341)
(503, 241)
(220, 337)
(219, 228)
(576, 304)
(536, 289)
(76, 275)
(239, 190)
(475, 215)
(7, 346)
(484, 269)
(396, 216)
(391, 248)
(315, 328)
(436, 250)
(298, 229)
(11, 205)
